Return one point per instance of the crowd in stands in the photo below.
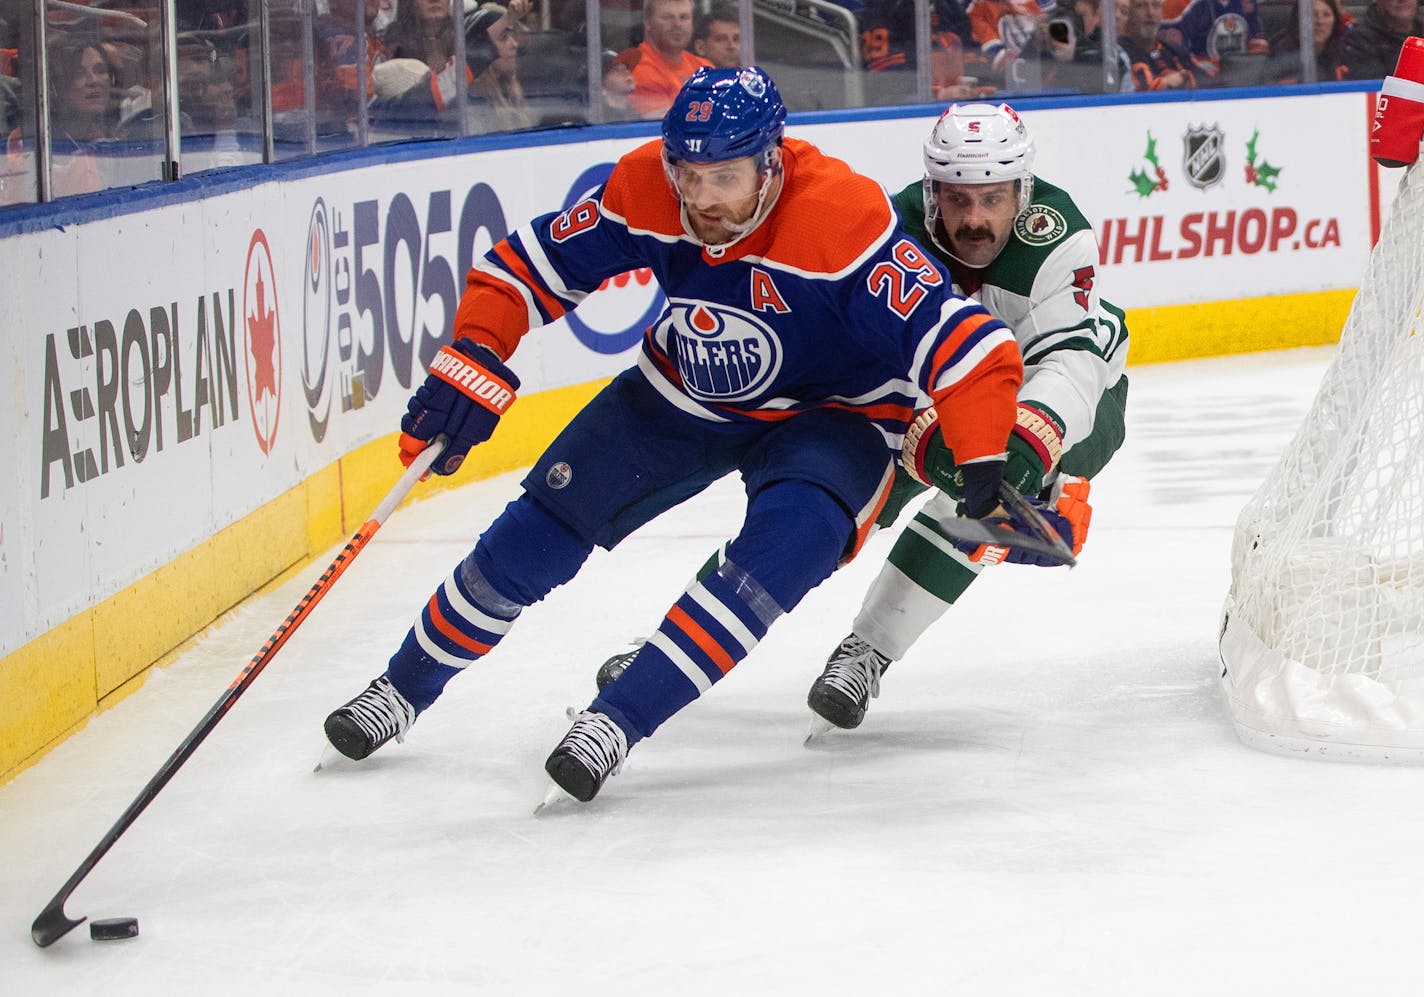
(1033, 46)
(347, 72)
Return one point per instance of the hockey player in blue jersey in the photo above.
(801, 322)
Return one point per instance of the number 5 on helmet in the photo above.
(467, 390)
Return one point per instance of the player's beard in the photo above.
(713, 232)
(718, 235)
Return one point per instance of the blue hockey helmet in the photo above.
(722, 114)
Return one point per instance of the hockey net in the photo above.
(1323, 631)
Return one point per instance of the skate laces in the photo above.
(381, 712)
(854, 669)
(596, 742)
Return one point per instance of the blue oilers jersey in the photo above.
(827, 302)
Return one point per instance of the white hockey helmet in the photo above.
(977, 143)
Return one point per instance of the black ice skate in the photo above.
(852, 676)
(370, 720)
(592, 750)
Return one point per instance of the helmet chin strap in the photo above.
(766, 200)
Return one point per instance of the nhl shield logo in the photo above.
(1204, 156)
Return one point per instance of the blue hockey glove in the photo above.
(1067, 512)
(981, 487)
(467, 390)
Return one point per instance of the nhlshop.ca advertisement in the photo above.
(1191, 201)
(1221, 200)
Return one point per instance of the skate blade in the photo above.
(819, 728)
(552, 797)
(331, 758)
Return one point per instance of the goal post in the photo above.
(1322, 635)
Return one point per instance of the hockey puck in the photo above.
(111, 928)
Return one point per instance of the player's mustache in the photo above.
(965, 232)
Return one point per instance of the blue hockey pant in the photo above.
(814, 482)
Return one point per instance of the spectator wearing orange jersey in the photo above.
(10, 92)
(661, 62)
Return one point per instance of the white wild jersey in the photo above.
(1044, 286)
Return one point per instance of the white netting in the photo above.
(1323, 635)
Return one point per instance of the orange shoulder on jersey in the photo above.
(493, 313)
(638, 191)
(826, 218)
(977, 412)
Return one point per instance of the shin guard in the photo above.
(793, 536)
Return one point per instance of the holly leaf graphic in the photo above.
(1266, 176)
(1251, 146)
(1151, 154)
(1142, 183)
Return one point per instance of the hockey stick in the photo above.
(1024, 510)
(1043, 540)
(52, 923)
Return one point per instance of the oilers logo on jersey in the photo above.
(722, 354)
(1229, 35)
(559, 476)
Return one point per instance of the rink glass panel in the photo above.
(320, 92)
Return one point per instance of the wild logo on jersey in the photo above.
(1040, 225)
(722, 354)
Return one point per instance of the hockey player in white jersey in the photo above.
(1022, 247)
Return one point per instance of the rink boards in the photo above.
(205, 377)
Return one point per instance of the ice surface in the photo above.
(1047, 799)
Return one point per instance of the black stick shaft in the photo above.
(53, 923)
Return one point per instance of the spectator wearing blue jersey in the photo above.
(887, 46)
(1157, 63)
(1216, 31)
